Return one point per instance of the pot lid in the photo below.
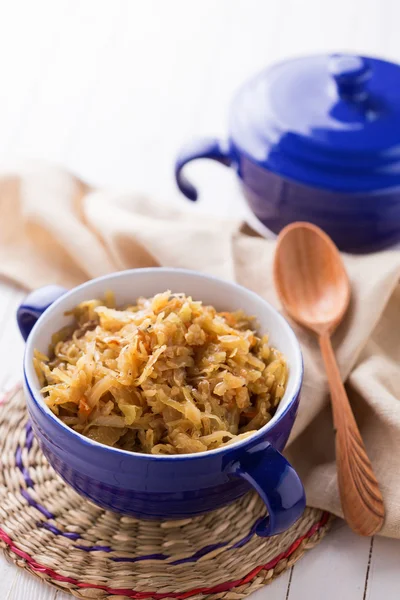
(331, 121)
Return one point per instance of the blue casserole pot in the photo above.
(317, 139)
(180, 486)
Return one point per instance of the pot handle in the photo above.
(34, 305)
(202, 148)
(279, 486)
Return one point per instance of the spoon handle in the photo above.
(360, 495)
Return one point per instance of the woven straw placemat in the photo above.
(50, 531)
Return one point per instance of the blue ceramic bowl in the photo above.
(316, 139)
(180, 486)
(357, 222)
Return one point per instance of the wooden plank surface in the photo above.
(335, 569)
(384, 573)
(111, 89)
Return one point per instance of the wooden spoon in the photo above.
(314, 289)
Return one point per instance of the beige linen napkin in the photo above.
(54, 229)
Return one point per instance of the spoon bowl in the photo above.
(313, 286)
(310, 277)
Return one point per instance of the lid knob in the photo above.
(351, 74)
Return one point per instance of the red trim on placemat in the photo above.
(223, 587)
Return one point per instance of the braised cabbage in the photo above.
(166, 375)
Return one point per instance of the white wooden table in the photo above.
(110, 89)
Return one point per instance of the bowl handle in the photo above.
(202, 148)
(279, 486)
(34, 305)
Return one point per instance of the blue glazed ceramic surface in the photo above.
(179, 486)
(317, 139)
